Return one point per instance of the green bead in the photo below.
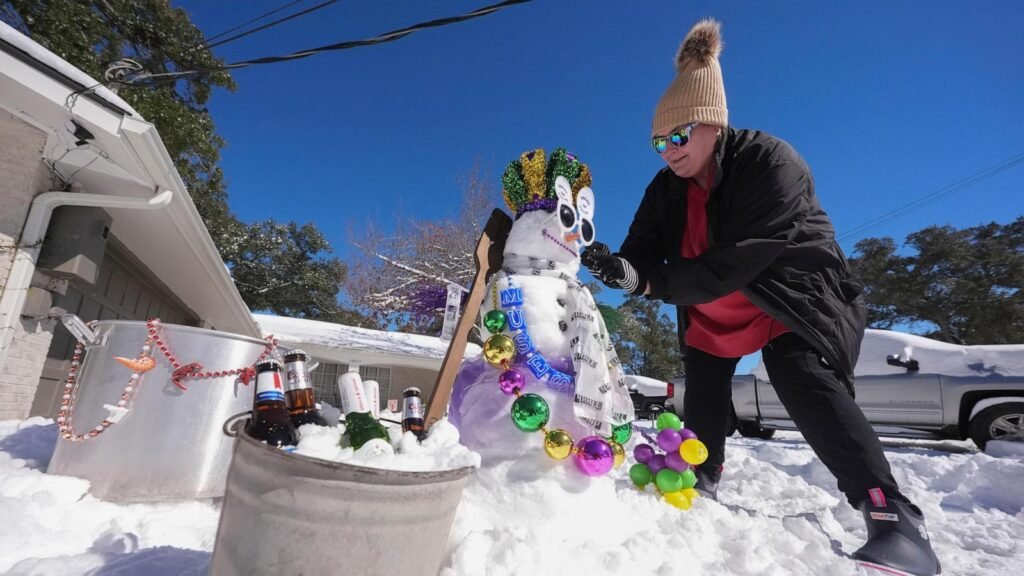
(688, 478)
(494, 321)
(668, 480)
(668, 420)
(622, 433)
(640, 474)
(530, 412)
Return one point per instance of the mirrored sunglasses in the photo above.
(679, 137)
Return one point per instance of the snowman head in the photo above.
(553, 204)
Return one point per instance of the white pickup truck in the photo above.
(908, 386)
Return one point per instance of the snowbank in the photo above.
(933, 357)
(780, 515)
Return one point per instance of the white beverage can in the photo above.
(372, 389)
(353, 394)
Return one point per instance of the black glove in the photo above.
(612, 270)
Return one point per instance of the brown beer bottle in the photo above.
(270, 422)
(412, 412)
(301, 400)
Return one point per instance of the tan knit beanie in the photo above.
(697, 93)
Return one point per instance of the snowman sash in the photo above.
(600, 398)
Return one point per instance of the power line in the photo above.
(244, 24)
(272, 24)
(380, 39)
(934, 196)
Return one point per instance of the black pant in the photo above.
(817, 401)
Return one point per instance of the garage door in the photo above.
(124, 290)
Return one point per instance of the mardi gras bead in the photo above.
(558, 444)
(530, 412)
(687, 479)
(687, 434)
(499, 350)
(640, 474)
(669, 440)
(594, 456)
(668, 420)
(622, 433)
(668, 480)
(675, 461)
(693, 451)
(511, 381)
(494, 321)
(690, 493)
(619, 454)
(656, 463)
(643, 453)
(678, 499)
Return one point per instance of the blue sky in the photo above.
(887, 102)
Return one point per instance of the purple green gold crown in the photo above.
(529, 182)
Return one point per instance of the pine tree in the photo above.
(965, 285)
(646, 342)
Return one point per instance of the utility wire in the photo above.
(934, 196)
(380, 39)
(273, 23)
(244, 24)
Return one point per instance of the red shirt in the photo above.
(731, 326)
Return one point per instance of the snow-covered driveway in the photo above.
(780, 514)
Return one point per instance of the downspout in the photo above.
(15, 290)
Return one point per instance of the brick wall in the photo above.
(22, 176)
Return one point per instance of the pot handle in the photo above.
(231, 426)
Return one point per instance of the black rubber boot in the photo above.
(707, 484)
(897, 539)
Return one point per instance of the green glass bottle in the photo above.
(360, 428)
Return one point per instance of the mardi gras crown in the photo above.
(529, 182)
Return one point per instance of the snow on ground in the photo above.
(780, 514)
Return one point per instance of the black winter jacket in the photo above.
(768, 238)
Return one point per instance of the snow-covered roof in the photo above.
(933, 357)
(58, 64)
(352, 345)
(124, 157)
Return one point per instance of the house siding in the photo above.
(23, 176)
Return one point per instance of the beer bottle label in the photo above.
(412, 407)
(297, 376)
(353, 395)
(268, 387)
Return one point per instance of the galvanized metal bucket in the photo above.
(286, 513)
(169, 446)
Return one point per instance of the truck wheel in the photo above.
(999, 422)
(754, 430)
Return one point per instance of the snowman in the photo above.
(549, 379)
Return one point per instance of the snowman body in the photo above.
(541, 261)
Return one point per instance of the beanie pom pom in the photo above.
(702, 44)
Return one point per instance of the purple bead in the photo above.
(687, 434)
(594, 456)
(656, 463)
(642, 453)
(675, 461)
(669, 440)
(510, 381)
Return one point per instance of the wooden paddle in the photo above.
(488, 257)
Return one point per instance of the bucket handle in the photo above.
(231, 427)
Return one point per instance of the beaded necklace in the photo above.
(594, 455)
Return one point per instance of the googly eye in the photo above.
(566, 216)
(587, 233)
